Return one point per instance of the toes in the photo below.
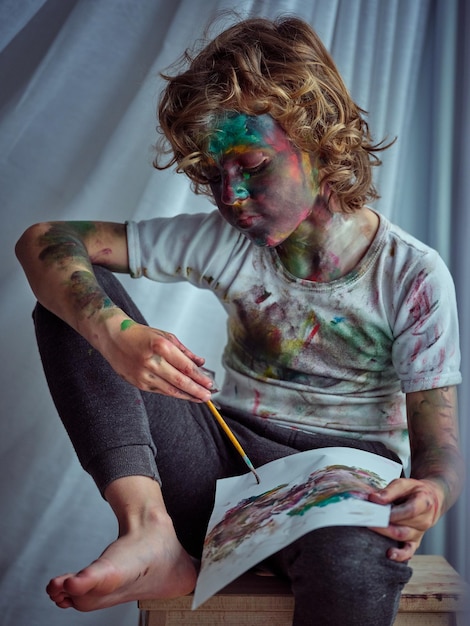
(60, 597)
(66, 603)
(58, 591)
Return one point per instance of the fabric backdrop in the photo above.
(78, 89)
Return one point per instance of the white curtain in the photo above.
(78, 88)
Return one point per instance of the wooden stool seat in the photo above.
(435, 596)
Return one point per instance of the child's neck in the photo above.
(328, 244)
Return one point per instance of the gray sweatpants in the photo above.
(340, 576)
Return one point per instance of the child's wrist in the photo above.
(104, 326)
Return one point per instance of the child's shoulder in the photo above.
(403, 244)
(409, 256)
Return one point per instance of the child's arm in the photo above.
(434, 438)
(437, 470)
(57, 258)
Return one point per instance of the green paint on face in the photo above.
(125, 324)
(232, 131)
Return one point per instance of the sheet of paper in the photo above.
(296, 494)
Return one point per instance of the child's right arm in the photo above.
(57, 258)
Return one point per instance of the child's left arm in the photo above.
(437, 470)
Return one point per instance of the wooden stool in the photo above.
(435, 596)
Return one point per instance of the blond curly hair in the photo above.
(277, 67)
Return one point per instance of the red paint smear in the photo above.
(264, 296)
(420, 301)
(442, 359)
(256, 402)
(417, 350)
(275, 337)
(99, 255)
(313, 332)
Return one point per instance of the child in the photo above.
(342, 331)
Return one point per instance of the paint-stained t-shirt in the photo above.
(333, 358)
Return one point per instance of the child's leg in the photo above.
(145, 561)
(107, 420)
(103, 414)
(341, 575)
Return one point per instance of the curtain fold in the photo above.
(457, 538)
(79, 82)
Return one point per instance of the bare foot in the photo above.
(146, 561)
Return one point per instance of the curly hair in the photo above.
(280, 68)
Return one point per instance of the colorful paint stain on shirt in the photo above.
(291, 340)
(322, 358)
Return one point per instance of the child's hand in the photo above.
(154, 360)
(416, 506)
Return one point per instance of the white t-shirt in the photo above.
(333, 358)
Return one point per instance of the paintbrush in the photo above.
(232, 438)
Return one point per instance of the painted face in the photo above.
(262, 184)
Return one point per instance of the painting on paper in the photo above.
(296, 494)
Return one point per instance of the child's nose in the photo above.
(234, 190)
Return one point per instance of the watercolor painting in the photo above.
(296, 495)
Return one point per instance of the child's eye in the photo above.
(255, 169)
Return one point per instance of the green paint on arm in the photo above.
(63, 242)
(127, 324)
(83, 228)
(89, 296)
